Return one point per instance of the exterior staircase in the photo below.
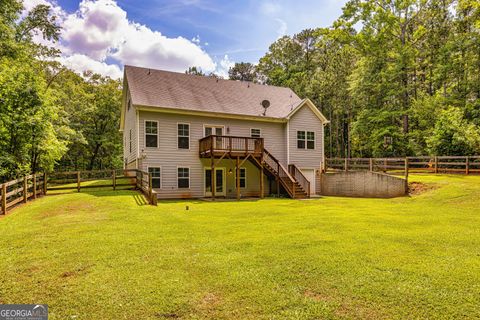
(293, 181)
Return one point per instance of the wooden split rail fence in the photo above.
(32, 186)
(403, 166)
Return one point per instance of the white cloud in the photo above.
(99, 31)
(223, 66)
(80, 63)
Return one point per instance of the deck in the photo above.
(220, 146)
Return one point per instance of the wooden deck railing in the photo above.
(301, 179)
(424, 164)
(31, 186)
(231, 144)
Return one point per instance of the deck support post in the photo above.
(278, 186)
(213, 177)
(237, 180)
(262, 186)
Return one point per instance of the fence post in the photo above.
(78, 181)
(467, 165)
(44, 183)
(370, 164)
(25, 189)
(114, 180)
(4, 198)
(34, 186)
(436, 164)
(406, 169)
(346, 164)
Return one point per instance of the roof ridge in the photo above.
(208, 77)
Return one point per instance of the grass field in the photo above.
(108, 255)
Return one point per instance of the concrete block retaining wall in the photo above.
(361, 184)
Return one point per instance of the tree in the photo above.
(197, 71)
(454, 135)
(243, 71)
(29, 138)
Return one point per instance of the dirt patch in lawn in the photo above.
(416, 188)
(76, 272)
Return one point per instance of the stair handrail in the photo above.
(281, 168)
(300, 177)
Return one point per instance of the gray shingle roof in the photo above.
(158, 88)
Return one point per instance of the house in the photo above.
(206, 137)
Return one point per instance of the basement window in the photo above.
(243, 178)
(183, 177)
(156, 178)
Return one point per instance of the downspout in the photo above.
(138, 139)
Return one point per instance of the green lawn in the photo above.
(108, 255)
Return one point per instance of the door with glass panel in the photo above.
(217, 131)
(219, 182)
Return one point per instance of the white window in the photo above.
(183, 133)
(155, 173)
(255, 133)
(183, 177)
(305, 140)
(243, 178)
(151, 134)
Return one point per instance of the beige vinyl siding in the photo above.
(130, 124)
(169, 157)
(305, 120)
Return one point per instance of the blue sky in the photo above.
(225, 31)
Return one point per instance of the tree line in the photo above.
(394, 77)
(50, 117)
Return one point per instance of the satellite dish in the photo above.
(265, 104)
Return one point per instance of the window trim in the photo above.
(161, 175)
(244, 168)
(145, 134)
(189, 134)
(189, 176)
(259, 132)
